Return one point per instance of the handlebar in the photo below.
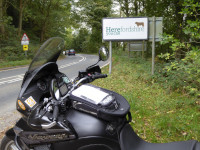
(54, 118)
(55, 112)
(47, 126)
(90, 78)
(99, 76)
(87, 79)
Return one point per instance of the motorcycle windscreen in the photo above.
(48, 52)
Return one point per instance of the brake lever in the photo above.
(55, 115)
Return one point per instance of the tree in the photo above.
(92, 12)
(22, 5)
(2, 29)
(125, 7)
(80, 40)
(50, 17)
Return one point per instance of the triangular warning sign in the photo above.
(25, 37)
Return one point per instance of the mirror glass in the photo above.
(103, 53)
(55, 93)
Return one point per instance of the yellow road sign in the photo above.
(25, 47)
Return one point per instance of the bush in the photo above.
(183, 70)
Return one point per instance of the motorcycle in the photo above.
(60, 114)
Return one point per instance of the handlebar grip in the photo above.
(99, 76)
(104, 75)
(55, 112)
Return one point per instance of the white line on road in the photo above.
(11, 77)
(19, 77)
(105, 65)
(70, 64)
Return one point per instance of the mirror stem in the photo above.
(93, 64)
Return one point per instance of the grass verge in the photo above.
(158, 114)
(7, 64)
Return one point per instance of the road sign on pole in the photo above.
(25, 43)
(24, 40)
(25, 47)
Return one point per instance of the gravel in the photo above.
(7, 121)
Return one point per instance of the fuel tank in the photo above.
(92, 133)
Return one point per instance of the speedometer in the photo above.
(42, 85)
(63, 89)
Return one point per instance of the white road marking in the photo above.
(20, 77)
(70, 64)
(105, 65)
(11, 77)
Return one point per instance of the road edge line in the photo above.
(105, 65)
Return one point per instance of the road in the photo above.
(10, 81)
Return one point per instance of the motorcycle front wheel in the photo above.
(8, 144)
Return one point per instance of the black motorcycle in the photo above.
(59, 114)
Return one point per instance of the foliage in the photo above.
(14, 50)
(41, 20)
(158, 115)
(6, 64)
(184, 67)
(168, 9)
(80, 39)
(92, 12)
(50, 18)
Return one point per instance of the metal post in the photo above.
(129, 49)
(26, 53)
(110, 51)
(153, 46)
(143, 49)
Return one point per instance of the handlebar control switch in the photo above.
(82, 74)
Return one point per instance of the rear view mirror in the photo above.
(54, 90)
(103, 53)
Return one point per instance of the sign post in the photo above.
(153, 47)
(132, 29)
(123, 29)
(110, 55)
(25, 43)
(155, 31)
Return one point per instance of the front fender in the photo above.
(10, 134)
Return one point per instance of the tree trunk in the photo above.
(136, 8)
(42, 35)
(20, 17)
(126, 5)
(2, 29)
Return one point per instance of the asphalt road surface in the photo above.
(11, 79)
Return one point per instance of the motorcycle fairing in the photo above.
(43, 65)
(31, 137)
(129, 140)
(91, 134)
(29, 86)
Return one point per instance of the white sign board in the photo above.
(25, 40)
(124, 29)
